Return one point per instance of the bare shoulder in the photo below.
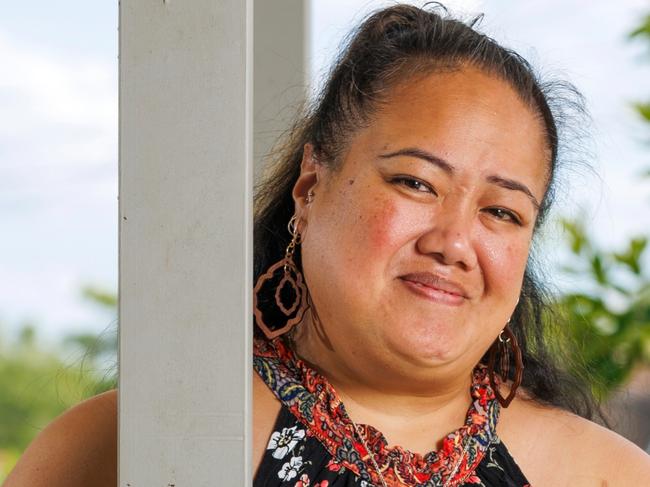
(556, 447)
(265, 412)
(79, 448)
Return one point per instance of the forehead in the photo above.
(469, 118)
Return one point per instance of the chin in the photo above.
(425, 349)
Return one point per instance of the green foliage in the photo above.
(39, 382)
(610, 323)
(102, 297)
(37, 385)
(95, 348)
(643, 30)
(644, 110)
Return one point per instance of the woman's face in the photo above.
(414, 250)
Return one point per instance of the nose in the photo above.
(448, 239)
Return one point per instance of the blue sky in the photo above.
(58, 133)
(58, 160)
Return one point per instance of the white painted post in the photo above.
(185, 225)
(281, 70)
(185, 242)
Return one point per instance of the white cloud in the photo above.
(56, 111)
(50, 299)
(58, 183)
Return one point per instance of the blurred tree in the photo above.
(98, 350)
(38, 384)
(103, 297)
(610, 322)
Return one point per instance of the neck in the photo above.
(415, 415)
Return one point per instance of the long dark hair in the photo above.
(388, 47)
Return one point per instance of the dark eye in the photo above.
(504, 215)
(413, 183)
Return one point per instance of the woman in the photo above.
(412, 193)
(401, 292)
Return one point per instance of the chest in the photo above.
(312, 441)
(292, 456)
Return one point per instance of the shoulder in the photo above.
(556, 447)
(79, 448)
(265, 411)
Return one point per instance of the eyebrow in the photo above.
(420, 154)
(449, 169)
(514, 185)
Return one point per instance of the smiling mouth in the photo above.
(433, 293)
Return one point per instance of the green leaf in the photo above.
(643, 109)
(642, 30)
(576, 235)
(631, 258)
(102, 297)
(598, 270)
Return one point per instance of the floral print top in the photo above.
(314, 442)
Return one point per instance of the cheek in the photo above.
(504, 264)
(377, 224)
(382, 225)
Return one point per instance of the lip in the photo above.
(435, 288)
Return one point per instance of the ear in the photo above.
(310, 170)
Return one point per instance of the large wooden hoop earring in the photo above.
(500, 348)
(292, 277)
